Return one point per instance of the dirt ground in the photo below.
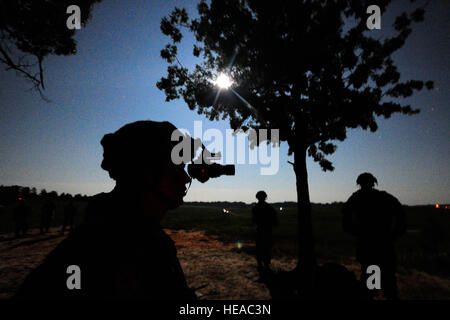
(227, 269)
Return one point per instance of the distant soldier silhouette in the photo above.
(377, 220)
(47, 212)
(120, 248)
(69, 213)
(264, 216)
(21, 214)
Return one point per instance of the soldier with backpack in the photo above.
(377, 220)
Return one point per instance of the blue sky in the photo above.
(111, 81)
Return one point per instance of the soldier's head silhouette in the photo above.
(121, 242)
(261, 195)
(138, 157)
(366, 180)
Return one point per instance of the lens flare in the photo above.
(239, 245)
(223, 81)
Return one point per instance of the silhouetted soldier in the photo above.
(377, 220)
(69, 213)
(264, 216)
(47, 212)
(21, 214)
(120, 248)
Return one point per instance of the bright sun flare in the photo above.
(223, 81)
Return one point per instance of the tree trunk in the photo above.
(306, 256)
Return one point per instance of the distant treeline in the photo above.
(10, 194)
(240, 204)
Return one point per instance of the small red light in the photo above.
(20, 198)
(203, 170)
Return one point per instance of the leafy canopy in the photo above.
(310, 68)
(30, 30)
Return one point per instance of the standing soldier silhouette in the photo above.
(377, 220)
(21, 214)
(69, 213)
(264, 216)
(47, 212)
(120, 248)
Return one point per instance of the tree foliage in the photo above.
(310, 68)
(30, 30)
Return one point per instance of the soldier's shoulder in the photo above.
(386, 196)
(391, 201)
(80, 240)
(49, 278)
(65, 251)
(355, 195)
(99, 199)
(98, 205)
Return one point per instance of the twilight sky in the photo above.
(111, 81)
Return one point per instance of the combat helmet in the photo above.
(366, 180)
(141, 144)
(261, 195)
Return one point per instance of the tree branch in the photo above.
(11, 65)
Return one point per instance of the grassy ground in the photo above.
(424, 247)
(227, 271)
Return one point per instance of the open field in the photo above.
(425, 246)
(207, 241)
(227, 272)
